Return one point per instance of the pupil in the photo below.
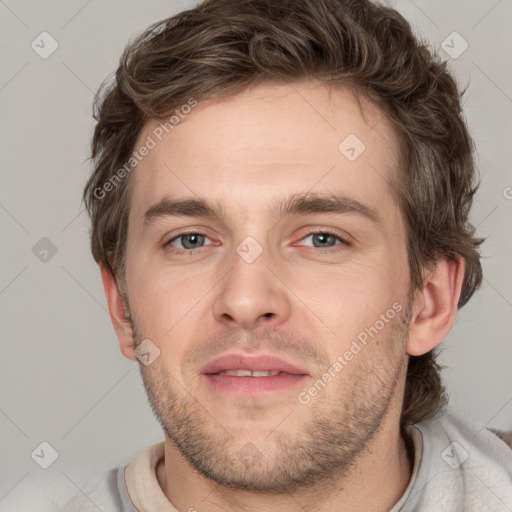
(191, 240)
(323, 238)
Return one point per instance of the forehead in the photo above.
(266, 140)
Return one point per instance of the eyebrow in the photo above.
(305, 204)
(300, 204)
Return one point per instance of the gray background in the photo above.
(63, 379)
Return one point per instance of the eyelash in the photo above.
(343, 241)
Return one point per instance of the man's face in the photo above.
(314, 286)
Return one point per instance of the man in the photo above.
(279, 209)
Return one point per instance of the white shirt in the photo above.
(458, 466)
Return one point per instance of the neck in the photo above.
(376, 482)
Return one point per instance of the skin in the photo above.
(302, 300)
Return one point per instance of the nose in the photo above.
(251, 295)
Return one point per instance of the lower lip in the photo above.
(253, 385)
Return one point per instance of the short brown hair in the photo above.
(222, 47)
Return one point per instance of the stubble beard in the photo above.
(326, 446)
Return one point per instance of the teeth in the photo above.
(249, 373)
(239, 373)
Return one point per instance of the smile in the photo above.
(249, 373)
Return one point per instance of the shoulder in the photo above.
(449, 426)
(470, 441)
(462, 462)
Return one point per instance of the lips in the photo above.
(246, 375)
(243, 363)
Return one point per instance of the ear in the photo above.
(435, 306)
(118, 315)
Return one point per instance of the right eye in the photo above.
(187, 242)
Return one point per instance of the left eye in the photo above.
(188, 241)
(326, 240)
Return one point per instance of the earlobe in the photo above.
(435, 306)
(120, 320)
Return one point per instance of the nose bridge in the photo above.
(250, 293)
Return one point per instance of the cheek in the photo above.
(150, 298)
(347, 301)
(167, 305)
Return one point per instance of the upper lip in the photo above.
(259, 362)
